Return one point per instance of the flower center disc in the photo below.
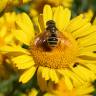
(61, 56)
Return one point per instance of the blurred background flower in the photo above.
(37, 5)
(7, 4)
(61, 89)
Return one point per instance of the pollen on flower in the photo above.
(61, 56)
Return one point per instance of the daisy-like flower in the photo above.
(72, 54)
(61, 89)
(7, 25)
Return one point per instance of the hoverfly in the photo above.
(50, 38)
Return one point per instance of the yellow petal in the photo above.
(92, 67)
(3, 4)
(36, 23)
(91, 48)
(41, 81)
(62, 17)
(13, 49)
(2, 21)
(45, 73)
(88, 15)
(53, 76)
(76, 23)
(85, 89)
(72, 76)
(25, 23)
(88, 40)
(47, 14)
(77, 81)
(84, 73)
(25, 65)
(82, 31)
(86, 61)
(23, 61)
(41, 23)
(48, 73)
(21, 36)
(9, 38)
(10, 17)
(3, 31)
(68, 82)
(33, 92)
(27, 75)
(88, 55)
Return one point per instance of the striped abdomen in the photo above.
(52, 40)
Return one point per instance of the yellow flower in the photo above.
(73, 56)
(7, 25)
(61, 89)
